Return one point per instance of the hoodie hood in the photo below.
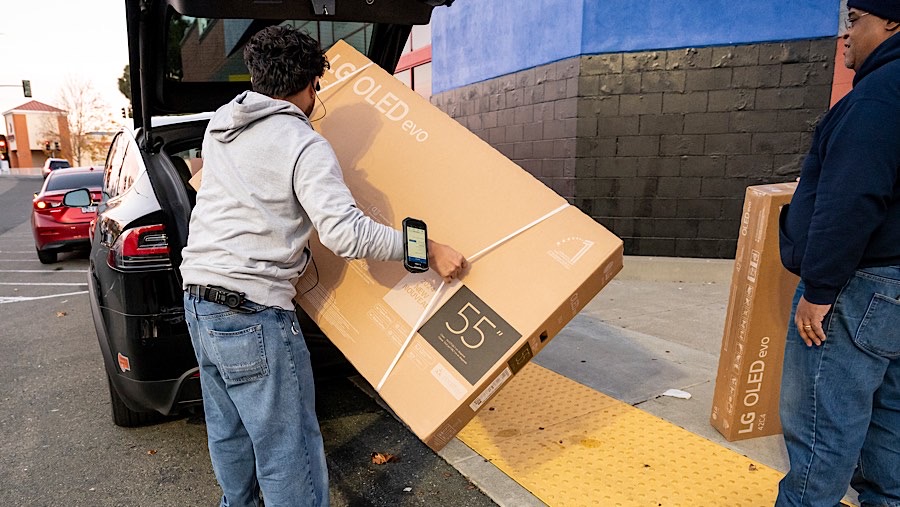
(248, 107)
(885, 53)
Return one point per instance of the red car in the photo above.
(58, 228)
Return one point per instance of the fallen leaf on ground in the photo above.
(151, 452)
(752, 467)
(60, 314)
(380, 458)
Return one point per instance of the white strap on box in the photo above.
(440, 290)
(347, 77)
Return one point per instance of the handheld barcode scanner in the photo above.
(415, 245)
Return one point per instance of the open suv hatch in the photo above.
(186, 60)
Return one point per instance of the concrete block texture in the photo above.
(659, 146)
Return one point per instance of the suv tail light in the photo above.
(141, 248)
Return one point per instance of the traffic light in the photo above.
(56, 145)
(26, 87)
(47, 145)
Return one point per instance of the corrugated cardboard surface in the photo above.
(745, 402)
(535, 260)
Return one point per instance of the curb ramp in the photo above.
(570, 445)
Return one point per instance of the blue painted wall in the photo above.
(475, 40)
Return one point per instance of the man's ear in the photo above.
(891, 25)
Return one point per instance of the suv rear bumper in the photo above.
(163, 396)
(66, 245)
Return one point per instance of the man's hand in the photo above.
(808, 319)
(446, 261)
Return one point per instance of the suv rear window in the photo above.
(216, 46)
(60, 181)
(58, 164)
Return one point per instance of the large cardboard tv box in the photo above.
(748, 384)
(436, 353)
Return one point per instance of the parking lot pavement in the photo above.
(57, 440)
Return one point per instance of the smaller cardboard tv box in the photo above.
(748, 383)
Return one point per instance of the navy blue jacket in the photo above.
(845, 213)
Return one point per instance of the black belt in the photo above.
(219, 295)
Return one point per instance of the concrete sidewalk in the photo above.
(21, 171)
(666, 312)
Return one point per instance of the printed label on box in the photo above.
(411, 295)
(469, 334)
(490, 389)
(520, 358)
(754, 266)
(570, 250)
(453, 386)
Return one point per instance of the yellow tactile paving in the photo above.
(570, 445)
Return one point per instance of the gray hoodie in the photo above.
(268, 180)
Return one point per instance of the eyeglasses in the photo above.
(849, 21)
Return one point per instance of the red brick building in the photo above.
(36, 132)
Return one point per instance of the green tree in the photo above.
(125, 82)
(177, 28)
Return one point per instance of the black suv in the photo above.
(186, 59)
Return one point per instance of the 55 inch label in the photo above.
(469, 334)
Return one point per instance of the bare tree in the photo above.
(49, 132)
(87, 115)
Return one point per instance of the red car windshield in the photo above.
(59, 181)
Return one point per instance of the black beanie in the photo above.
(886, 9)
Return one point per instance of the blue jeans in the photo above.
(259, 401)
(840, 402)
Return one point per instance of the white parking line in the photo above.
(17, 251)
(43, 271)
(21, 284)
(21, 299)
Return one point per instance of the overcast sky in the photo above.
(46, 41)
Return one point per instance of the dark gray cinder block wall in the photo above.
(658, 146)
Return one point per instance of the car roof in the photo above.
(70, 170)
(162, 121)
(62, 172)
(152, 47)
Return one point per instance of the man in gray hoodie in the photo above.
(268, 180)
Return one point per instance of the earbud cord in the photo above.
(324, 111)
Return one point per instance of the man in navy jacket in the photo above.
(840, 393)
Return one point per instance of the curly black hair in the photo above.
(283, 60)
